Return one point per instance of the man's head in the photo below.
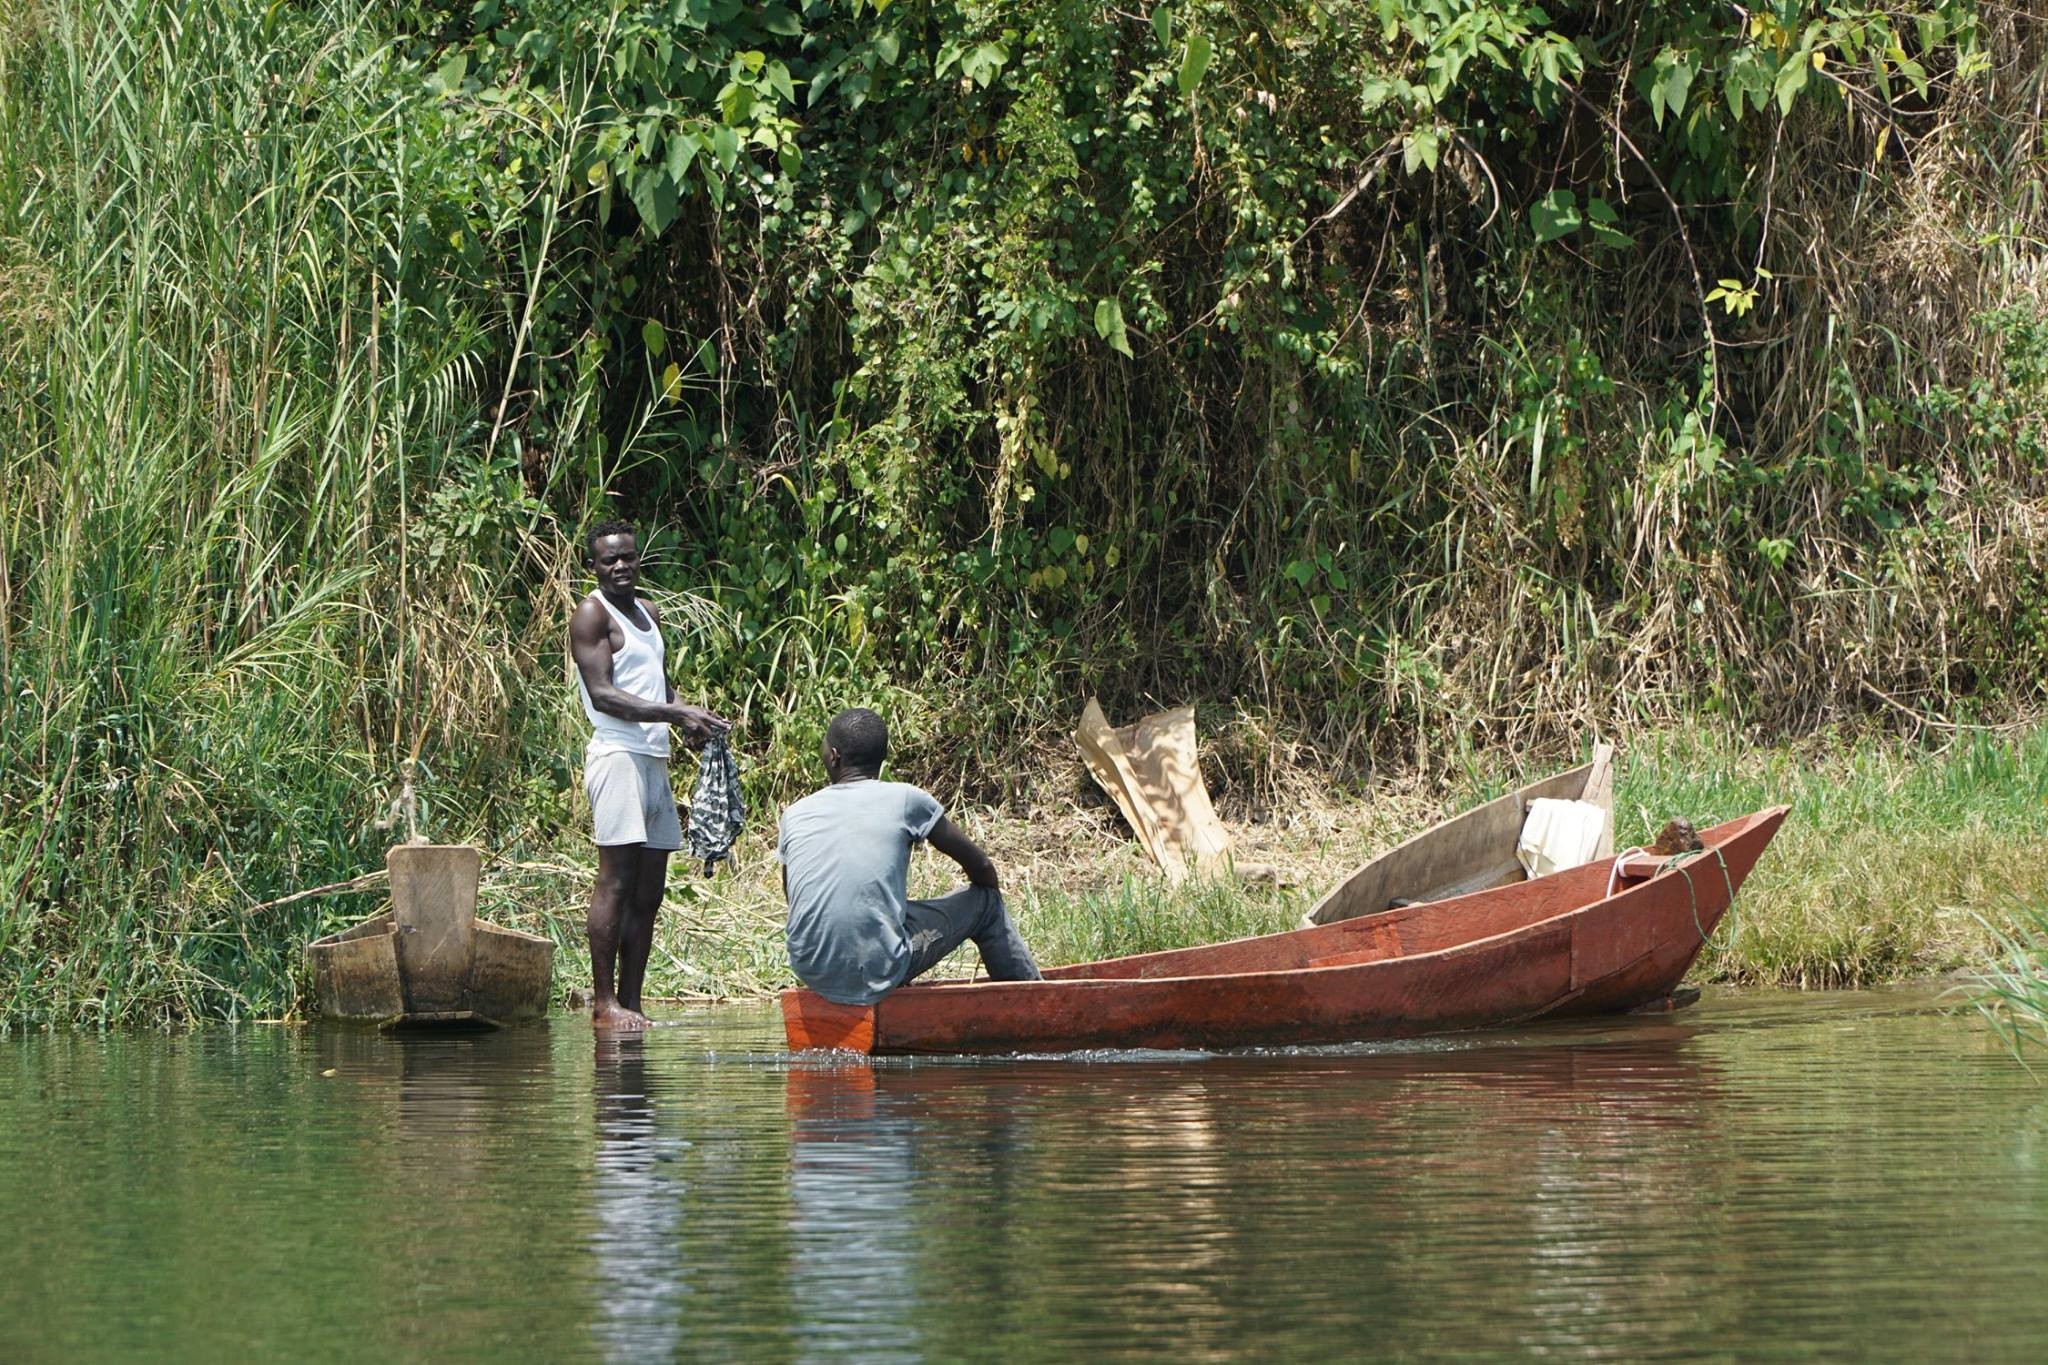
(614, 556)
(856, 743)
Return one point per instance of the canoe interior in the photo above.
(355, 972)
(1474, 851)
(1425, 927)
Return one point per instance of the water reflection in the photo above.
(1205, 1190)
(853, 1287)
(1739, 1180)
(636, 1200)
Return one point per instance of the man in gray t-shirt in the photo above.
(854, 935)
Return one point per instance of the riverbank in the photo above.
(327, 329)
(1899, 860)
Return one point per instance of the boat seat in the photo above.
(1635, 865)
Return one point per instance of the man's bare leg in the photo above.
(611, 914)
(636, 935)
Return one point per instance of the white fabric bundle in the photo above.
(1558, 835)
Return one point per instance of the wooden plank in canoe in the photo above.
(433, 900)
(1471, 852)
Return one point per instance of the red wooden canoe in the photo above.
(1549, 948)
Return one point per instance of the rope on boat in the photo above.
(1679, 861)
(1614, 872)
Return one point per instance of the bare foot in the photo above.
(617, 1017)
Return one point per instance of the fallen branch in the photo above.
(1938, 723)
(362, 883)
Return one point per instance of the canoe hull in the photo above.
(508, 979)
(1554, 947)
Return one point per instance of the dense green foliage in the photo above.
(1387, 376)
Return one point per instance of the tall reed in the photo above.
(234, 376)
(2012, 989)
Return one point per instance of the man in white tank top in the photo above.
(622, 679)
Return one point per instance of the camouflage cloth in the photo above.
(716, 808)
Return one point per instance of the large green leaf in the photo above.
(1556, 215)
(1109, 325)
(779, 20)
(655, 198)
(1605, 224)
(1792, 79)
(1670, 81)
(1194, 63)
(1419, 149)
(682, 150)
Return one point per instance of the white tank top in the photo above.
(636, 669)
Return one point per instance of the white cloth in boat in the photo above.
(1558, 835)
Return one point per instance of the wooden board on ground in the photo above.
(1150, 770)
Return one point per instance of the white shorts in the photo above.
(630, 800)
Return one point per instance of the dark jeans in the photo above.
(937, 927)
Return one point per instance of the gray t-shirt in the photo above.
(845, 853)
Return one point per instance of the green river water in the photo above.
(1846, 1177)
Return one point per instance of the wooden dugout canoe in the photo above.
(1554, 947)
(1468, 852)
(429, 962)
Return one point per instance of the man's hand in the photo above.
(696, 725)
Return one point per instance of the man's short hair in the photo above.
(860, 737)
(607, 528)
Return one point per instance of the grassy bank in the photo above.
(1897, 861)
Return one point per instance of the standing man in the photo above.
(615, 638)
(854, 935)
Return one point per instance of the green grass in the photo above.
(1891, 854)
(2012, 989)
(1146, 916)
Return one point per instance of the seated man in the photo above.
(854, 936)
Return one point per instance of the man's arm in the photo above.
(590, 644)
(702, 725)
(979, 867)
